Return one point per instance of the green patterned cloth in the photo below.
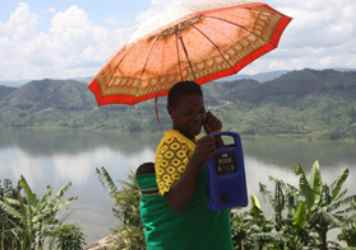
(196, 228)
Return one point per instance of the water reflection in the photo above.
(290, 151)
(57, 157)
(280, 151)
(53, 142)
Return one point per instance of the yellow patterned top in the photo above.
(172, 157)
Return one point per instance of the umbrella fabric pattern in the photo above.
(203, 46)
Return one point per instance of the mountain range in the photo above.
(313, 103)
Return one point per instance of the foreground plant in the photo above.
(348, 233)
(34, 220)
(8, 239)
(126, 208)
(302, 215)
(323, 207)
(69, 237)
(251, 229)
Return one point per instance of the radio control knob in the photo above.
(224, 197)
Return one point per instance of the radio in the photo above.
(226, 178)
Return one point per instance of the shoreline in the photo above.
(150, 134)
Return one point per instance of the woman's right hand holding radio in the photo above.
(205, 149)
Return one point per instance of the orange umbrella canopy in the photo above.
(203, 46)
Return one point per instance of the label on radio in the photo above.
(226, 163)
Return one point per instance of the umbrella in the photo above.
(202, 46)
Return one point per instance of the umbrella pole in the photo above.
(157, 111)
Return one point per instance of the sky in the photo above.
(74, 38)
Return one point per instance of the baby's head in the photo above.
(185, 106)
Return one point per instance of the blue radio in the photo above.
(227, 181)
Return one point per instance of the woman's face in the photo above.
(188, 115)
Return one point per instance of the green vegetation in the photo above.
(302, 215)
(321, 117)
(293, 217)
(126, 209)
(69, 237)
(348, 233)
(28, 222)
(298, 216)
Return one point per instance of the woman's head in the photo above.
(185, 106)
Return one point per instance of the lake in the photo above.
(56, 157)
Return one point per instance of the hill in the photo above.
(307, 103)
(15, 84)
(260, 77)
(44, 94)
(291, 87)
(5, 91)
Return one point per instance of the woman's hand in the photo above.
(205, 149)
(212, 123)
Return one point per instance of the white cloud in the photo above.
(163, 12)
(73, 45)
(21, 24)
(322, 34)
(52, 10)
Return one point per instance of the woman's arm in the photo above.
(182, 192)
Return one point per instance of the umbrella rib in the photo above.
(178, 56)
(187, 56)
(148, 56)
(214, 44)
(121, 60)
(236, 24)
